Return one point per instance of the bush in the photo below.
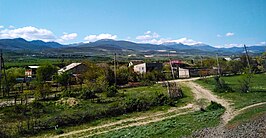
(111, 91)
(67, 93)
(214, 106)
(221, 86)
(59, 131)
(245, 83)
(87, 94)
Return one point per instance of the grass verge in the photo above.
(240, 100)
(175, 127)
(248, 115)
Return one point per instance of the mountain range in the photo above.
(110, 46)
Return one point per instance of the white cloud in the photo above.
(28, 33)
(229, 45)
(154, 38)
(262, 43)
(1, 26)
(93, 38)
(148, 36)
(32, 33)
(67, 36)
(11, 27)
(229, 34)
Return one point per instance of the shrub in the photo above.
(245, 83)
(87, 94)
(221, 86)
(214, 106)
(67, 93)
(59, 131)
(111, 91)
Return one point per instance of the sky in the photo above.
(219, 23)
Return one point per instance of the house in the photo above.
(30, 71)
(147, 67)
(183, 73)
(135, 62)
(73, 68)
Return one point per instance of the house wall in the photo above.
(140, 68)
(183, 73)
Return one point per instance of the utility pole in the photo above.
(201, 61)
(218, 65)
(115, 67)
(1, 73)
(172, 70)
(247, 57)
(2, 67)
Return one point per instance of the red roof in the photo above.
(176, 62)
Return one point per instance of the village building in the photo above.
(73, 68)
(147, 67)
(30, 71)
(134, 62)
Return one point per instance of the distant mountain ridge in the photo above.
(107, 45)
(22, 44)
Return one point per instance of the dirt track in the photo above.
(199, 93)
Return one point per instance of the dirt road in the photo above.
(202, 93)
(199, 93)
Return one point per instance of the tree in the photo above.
(245, 83)
(111, 91)
(95, 77)
(12, 74)
(45, 72)
(235, 66)
(63, 79)
(122, 75)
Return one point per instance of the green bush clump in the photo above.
(214, 106)
(221, 86)
(67, 93)
(59, 131)
(111, 91)
(87, 94)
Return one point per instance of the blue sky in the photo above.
(221, 23)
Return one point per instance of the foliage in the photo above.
(67, 93)
(87, 94)
(234, 66)
(239, 99)
(245, 83)
(59, 131)
(42, 90)
(221, 86)
(45, 72)
(11, 75)
(95, 78)
(111, 91)
(63, 79)
(214, 106)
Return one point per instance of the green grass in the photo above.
(240, 100)
(139, 91)
(52, 109)
(175, 127)
(248, 115)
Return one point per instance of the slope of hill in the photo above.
(106, 46)
(22, 44)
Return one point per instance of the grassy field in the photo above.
(144, 91)
(52, 111)
(240, 100)
(248, 115)
(175, 127)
